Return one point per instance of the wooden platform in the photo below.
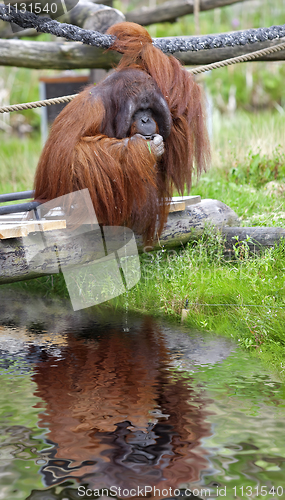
(14, 225)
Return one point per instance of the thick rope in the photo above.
(206, 42)
(46, 25)
(195, 71)
(234, 60)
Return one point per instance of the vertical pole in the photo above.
(44, 113)
(196, 16)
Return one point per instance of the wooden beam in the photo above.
(53, 55)
(73, 55)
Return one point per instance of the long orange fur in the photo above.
(127, 183)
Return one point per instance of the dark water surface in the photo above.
(103, 407)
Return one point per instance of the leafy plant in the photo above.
(258, 169)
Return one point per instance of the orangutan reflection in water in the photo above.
(118, 415)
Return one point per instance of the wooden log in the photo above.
(73, 55)
(72, 11)
(53, 55)
(189, 225)
(255, 237)
(34, 256)
(29, 257)
(171, 10)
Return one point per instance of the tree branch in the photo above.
(170, 11)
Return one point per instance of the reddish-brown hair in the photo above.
(128, 184)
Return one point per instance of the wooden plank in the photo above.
(179, 203)
(10, 229)
(13, 231)
(49, 225)
(177, 206)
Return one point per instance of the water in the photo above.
(89, 409)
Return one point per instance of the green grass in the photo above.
(20, 85)
(243, 297)
(18, 159)
(248, 154)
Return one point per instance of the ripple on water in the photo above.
(85, 402)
